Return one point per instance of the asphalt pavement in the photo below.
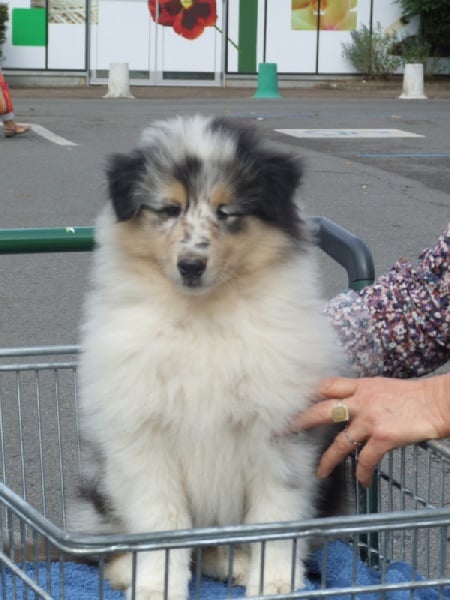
(392, 192)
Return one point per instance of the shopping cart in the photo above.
(400, 551)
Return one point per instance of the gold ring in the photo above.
(350, 439)
(340, 413)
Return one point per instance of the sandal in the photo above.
(16, 130)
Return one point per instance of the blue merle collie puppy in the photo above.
(202, 337)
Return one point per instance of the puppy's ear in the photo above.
(280, 178)
(125, 173)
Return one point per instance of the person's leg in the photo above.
(7, 117)
(10, 127)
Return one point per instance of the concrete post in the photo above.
(118, 81)
(413, 82)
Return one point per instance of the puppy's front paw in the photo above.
(241, 567)
(216, 564)
(118, 571)
(277, 576)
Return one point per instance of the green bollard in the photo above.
(267, 81)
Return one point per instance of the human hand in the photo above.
(384, 413)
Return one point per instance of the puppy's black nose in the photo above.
(192, 268)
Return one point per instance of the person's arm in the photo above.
(400, 325)
(383, 413)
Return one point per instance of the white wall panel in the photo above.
(293, 50)
(66, 46)
(122, 34)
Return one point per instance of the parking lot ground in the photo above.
(391, 191)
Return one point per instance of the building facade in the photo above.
(181, 41)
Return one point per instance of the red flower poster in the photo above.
(188, 18)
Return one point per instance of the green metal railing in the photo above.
(345, 248)
(46, 239)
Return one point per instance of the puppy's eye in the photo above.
(171, 211)
(223, 212)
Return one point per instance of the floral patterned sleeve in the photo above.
(400, 325)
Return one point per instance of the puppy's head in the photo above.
(203, 201)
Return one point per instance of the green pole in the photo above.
(247, 35)
(42, 240)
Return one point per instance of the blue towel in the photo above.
(82, 581)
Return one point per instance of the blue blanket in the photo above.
(82, 581)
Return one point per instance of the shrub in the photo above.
(4, 16)
(370, 52)
(413, 49)
(435, 22)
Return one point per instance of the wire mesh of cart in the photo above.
(394, 545)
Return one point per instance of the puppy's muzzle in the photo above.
(191, 271)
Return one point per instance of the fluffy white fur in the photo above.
(186, 393)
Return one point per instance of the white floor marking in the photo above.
(349, 133)
(50, 136)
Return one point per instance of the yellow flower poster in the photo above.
(328, 15)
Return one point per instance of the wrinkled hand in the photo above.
(384, 413)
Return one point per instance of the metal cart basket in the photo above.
(401, 551)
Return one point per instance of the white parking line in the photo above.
(50, 136)
(349, 133)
